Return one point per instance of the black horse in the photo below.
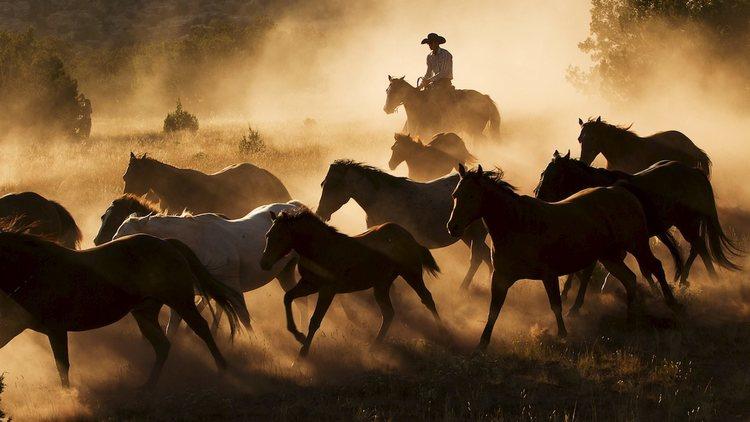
(61, 290)
(41, 217)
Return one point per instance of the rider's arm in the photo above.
(430, 71)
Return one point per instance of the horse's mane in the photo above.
(583, 167)
(372, 173)
(616, 129)
(405, 137)
(495, 177)
(134, 202)
(15, 225)
(303, 213)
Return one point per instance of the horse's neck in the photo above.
(517, 212)
(619, 146)
(414, 102)
(317, 246)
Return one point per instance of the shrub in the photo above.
(252, 143)
(2, 386)
(37, 96)
(180, 120)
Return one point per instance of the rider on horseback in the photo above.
(437, 79)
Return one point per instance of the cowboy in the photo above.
(439, 65)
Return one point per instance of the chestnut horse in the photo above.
(428, 162)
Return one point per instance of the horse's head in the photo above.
(560, 179)
(336, 191)
(139, 174)
(120, 209)
(279, 238)
(396, 92)
(404, 147)
(467, 201)
(590, 138)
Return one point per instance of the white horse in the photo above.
(229, 249)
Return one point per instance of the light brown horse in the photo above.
(428, 162)
(628, 152)
(332, 263)
(233, 192)
(465, 111)
(537, 240)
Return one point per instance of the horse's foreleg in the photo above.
(302, 289)
(58, 340)
(382, 296)
(552, 286)
(500, 286)
(147, 318)
(480, 252)
(325, 297)
(173, 324)
(688, 265)
(287, 282)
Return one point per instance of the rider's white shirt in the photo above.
(439, 65)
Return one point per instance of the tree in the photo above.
(627, 37)
(37, 96)
(180, 120)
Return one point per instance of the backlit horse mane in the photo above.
(304, 213)
(373, 174)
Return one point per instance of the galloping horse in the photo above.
(62, 290)
(41, 217)
(234, 191)
(229, 249)
(421, 208)
(469, 111)
(672, 194)
(533, 239)
(428, 162)
(628, 152)
(127, 205)
(332, 262)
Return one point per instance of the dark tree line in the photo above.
(627, 36)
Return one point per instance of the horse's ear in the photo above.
(390, 78)
(132, 156)
(599, 119)
(556, 154)
(403, 77)
(580, 122)
(420, 141)
(273, 215)
(567, 156)
(461, 170)
(479, 170)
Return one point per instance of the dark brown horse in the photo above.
(120, 209)
(427, 162)
(61, 290)
(672, 194)
(332, 262)
(537, 240)
(41, 217)
(628, 152)
(234, 191)
(466, 111)
(421, 208)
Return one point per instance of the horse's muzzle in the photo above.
(389, 110)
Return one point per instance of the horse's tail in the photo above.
(226, 298)
(428, 261)
(70, 233)
(720, 246)
(669, 241)
(493, 117)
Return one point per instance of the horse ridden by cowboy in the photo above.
(435, 106)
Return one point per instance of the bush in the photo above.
(2, 386)
(37, 96)
(180, 120)
(629, 37)
(252, 143)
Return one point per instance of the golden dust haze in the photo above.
(329, 62)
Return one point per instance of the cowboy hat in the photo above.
(433, 37)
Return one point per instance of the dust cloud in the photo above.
(329, 62)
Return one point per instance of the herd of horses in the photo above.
(178, 233)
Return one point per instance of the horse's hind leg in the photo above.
(417, 283)
(302, 289)
(552, 286)
(650, 265)
(584, 276)
(567, 285)
(58, 340)
(382, 296)
(195, 321)
(325, 297)
(147, 317)
(616, 266)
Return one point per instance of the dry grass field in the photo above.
(663, 367)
